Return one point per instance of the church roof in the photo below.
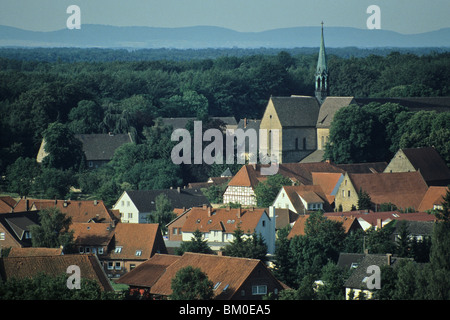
(329, 107)
(296, 111)
(322, 60)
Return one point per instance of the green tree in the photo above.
(379, 240)
(64, 150)
(333, 278)
(197, 245)
(54, 183)
(364, 200)
(52, 230)
(86, 117)
(404, 242)
(21, 176)
(252, 247)
(267, 191)
(283, 264)
(163, 213)
(191, 283)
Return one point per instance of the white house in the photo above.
(218, 224)
(135, 206)
(301, 199)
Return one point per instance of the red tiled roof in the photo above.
(95, 234)
(31, 252)
(26, 267)
(404, 189)
(228, 273)
(433, 196)
(134, 237)
(227, 220)
(313, 193)
(298, 229)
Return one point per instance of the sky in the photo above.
(403, 16)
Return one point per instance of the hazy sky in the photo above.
(404, 16)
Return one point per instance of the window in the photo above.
(118, 266)
(91, 164)
(349, 193)
(132, 266)
(100, 250)
(130, 215)
(110, 266)
(174, 231)
(2, 236)
(264, 223)
(118, 250)
(138, 253)
(259, 290)
(87, 250)
(217, 285)
(81, 250)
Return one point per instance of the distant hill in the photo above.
(102, 36)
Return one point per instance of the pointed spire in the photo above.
(322, 61)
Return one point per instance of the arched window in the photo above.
(304, 143)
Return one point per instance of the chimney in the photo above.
(239, 213)
(209, 211)
(95, 202)
(205, 206)
(245, 123)
(27, 205)
(379, 224)
(389, 258)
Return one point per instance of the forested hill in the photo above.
(198, 37)
(108, 55)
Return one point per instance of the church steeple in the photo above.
(322, 73)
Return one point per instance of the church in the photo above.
(304, 121)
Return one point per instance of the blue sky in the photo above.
(404, 16)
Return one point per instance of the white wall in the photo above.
(129, 212)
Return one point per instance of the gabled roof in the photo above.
(92, 234)
(416, 228)
(245, 177)
(101, 147)
(144, 200)
(180, 123)
(433, 196)
(7, 204)
(284, 217)
(329, 108)
(16, 224)
(227, 273)
(227, 220)
(357, 277)
(138, 241)
(309, 193)
(147, 273)
(296, 111)
(432, 167)
(26, 267)
(404, 189)
(367, 167)
(298, 229)
(329, 182)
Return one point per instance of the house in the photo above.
(357, 281)
(425, 160)
(132, 245)
(402, 189)
(54, 265)
(295, 119)
(433, 198)
(218, 225)
(93, 238)
(241, 188)
(371, 219)
(98, 148)
(302, 199)
(329, 182)
(77, 210)
(135, 205)
(350, 224)
(284, 218)
(233, 278)
(15, 229)
(418, 230)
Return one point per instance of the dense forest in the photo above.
(102, 92)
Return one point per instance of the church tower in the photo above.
(322, 73)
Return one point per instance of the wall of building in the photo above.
(128, 211)
(399, 163)
(346, 195)
(323, 136)
(237, 194)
